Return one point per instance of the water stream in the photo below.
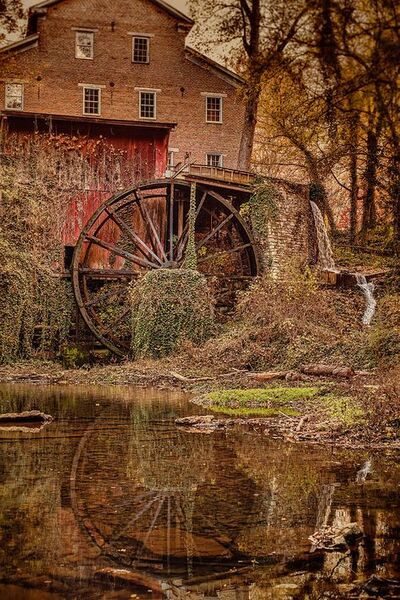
(325, 253)
(368, 291)
(113, 483)
(326, 261)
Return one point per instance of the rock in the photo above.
(31, 416)
(197, 421)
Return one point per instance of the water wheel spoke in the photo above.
(121, 252)
(214, 231)
(119, 273)
(216, 254)
(134, 519)
(151, 227)
(120, 318)
(181, 244)
(153, 522)
(141, 245)
(100, 298)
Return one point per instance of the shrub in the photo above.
(168, 307)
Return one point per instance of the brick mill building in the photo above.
(121, 70)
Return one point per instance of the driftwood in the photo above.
(317, 370)
(31, 416)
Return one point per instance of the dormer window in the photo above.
(14, 96)
(140, 49)
(84, 45)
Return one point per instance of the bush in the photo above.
(168, 307)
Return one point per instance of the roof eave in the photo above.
(221, 71)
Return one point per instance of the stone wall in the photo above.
(284, 227)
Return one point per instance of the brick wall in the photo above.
(51, 74)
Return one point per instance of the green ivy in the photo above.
(168, 307)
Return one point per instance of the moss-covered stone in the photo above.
(168, 307)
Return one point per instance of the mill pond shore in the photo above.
(320, 404)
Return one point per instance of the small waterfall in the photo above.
(368, 291)
(363, 473)
(325, 253)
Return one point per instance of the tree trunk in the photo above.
(353, 178)
(369, 208)
(250, 122)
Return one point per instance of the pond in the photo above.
(112, 500)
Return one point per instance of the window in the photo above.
(91, 101)
(84, 43)
(147, 105)
(214, 160)
(14, 96)
(140, 50)
(214, 109)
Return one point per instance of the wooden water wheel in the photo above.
(146, 228)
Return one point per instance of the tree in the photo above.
(256, 35)
(11, 13)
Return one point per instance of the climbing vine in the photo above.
(262, 207)
(168, 307)
(190, 256)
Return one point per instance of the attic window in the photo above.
(84, 45)
(14, 99)
(140, 49)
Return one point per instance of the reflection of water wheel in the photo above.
(146, 228)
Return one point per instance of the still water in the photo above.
(111, 500)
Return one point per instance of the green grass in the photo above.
(344, 409)
(255, 412)
(268, 396)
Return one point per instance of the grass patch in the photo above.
(344, 409)
(260, 397)
(255, 412)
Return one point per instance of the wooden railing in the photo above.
(221, 173)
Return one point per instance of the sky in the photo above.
(179, 4)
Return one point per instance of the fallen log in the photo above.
(268, 375)
(30, 416)
(126, 577)
(322, 370)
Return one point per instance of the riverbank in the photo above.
(361, 409)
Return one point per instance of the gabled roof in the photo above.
(28, 42)
(207, 63)
(174, 12)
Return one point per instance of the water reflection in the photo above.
(112, 483)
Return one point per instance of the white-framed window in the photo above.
(14, 96)
(84, 44)
(214, 109)
(140, 49)
(91, 100)
(147, 104)
(214, 159)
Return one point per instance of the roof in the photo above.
(25, 44)
(207, 63)
(174, 12)
(91, 120)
